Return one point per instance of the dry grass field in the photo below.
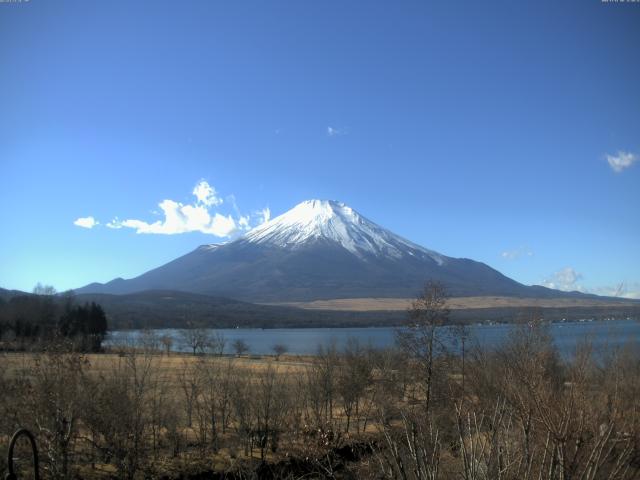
(250, 394)
(14, 363)
(454, 303)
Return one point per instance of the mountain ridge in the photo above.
(319, 250)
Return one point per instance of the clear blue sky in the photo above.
(477, 129)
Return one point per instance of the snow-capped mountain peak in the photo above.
(332, 221)
(319, 250)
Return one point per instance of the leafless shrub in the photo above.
(427, 312)
(208, 376)
(240, 347)
(320, 382)
(189, 383)
(279, 349)
(216, 344)
(149, 341)
(354, 378)
(54, 406)
(117, 413)
(271, 409)
(197, 339)
(167, 342)
(412, 451)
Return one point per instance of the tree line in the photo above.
(35, 320)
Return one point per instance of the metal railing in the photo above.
(11, 474)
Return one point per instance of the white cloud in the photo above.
(243, 223)
(264, 215)
(115, 223)
(247, 222)
(221, 226)
(334, 132)
(634, 294)
(180, 218)
(516, 253)
(198, 216)
(86, 222)
(622, 290)
(206, 194)
(565, 279)
(621, 161)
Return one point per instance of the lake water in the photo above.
(301, 341)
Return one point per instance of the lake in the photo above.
(303, 341)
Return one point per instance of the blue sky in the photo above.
(507, 132)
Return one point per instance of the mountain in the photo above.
(320, 250)
(174, 309)
(6, 295)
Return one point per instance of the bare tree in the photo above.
(44, 309)
(54, 400)
(354, 376)
(241, 402)
(240, 347)
(321, 378)
(461, 333)
(117, 413)
(167, 343)
(196, 338)
(279, 349)
(188, 381)
(212, 403)
(412, 452)
(227, 375)
(270, 408)
(149, 341)
(427, 312)
(216, 343)
(161, 407)
(45, 290)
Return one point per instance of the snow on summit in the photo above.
(333, 221)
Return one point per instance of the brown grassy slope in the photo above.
(458, 303)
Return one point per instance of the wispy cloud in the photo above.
(115, 223)
(622, 290)
(568, 280)
(621, 161)
(516, 253)
(336, 132)
(565, 279)
(264, 215)
(178, 217)
(206, 194)
(243, 223)
(86, 222)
